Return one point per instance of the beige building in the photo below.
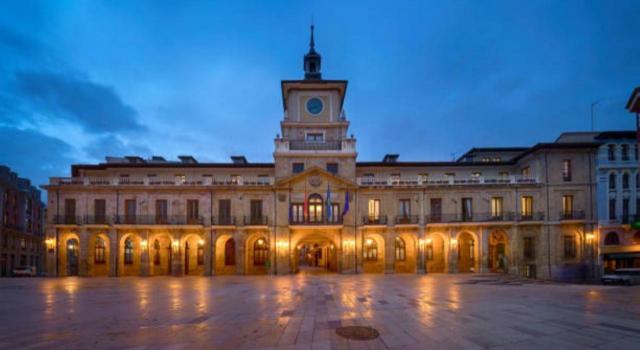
(526, 211)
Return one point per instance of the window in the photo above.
(161, 211)
(69, 211)
(635, 152)
(100, 211)
(569, 247)
(256, 211)
(529, 248)
(625, 181)
(611, 239)
(200, 253)
(374, 209)
(235, 179)
(395, 178)
(449, 176)
(526, 171)
(429, 251)
(401, 251)
(436, 209)
(636, 238)
(526, 209)
(297, 168)
(612, 208)
(567, 205)
(181, 179)
(336, 214)
(475, 175)
(496, 207)
(504, 175)
(297, 212)
(405, 208)
(625, 210)
(128, 251)
(263, 179)
(230, 252)
(566, 170)
(424, 177)
(612, 181)
(130, 211)
(315, 208)
(472, 249)
(624, 152)
(368, 179)
(332, 168)
(192, 211)
(467, 209)
(156, 252)
(370, 249)
(611, 152)
(224, 212)
(315, 137)
(260, 252)
(99, 251)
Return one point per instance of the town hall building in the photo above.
(316, 208)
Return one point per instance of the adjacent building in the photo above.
(22, 224)
(528, 211)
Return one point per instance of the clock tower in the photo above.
(314, 128)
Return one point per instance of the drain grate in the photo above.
(357, 332)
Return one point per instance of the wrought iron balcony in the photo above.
(223, 220)
(256, 220)
(97, 220)
(573, 215)
(533, 216)
(300, 145)
(158, 220)
(316, 220)
(473, 217)
(374, 220)
(67, 220)
(407, 219)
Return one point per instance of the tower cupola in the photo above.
(312, 61)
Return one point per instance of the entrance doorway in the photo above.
(497, 252)
(316, 257)
(72, 257)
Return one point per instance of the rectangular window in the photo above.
(612, 209)
(374, 210)
(263, 179)
(476, 175)
(624, 152)
(635, 152)
(235, 179)
(566, 170)
(315, 137)
(526, 209)
(224, 212)
(193, 211)
(405, 208)
(335, 213)
(395, 178)
(130, 211)
(611, 152)
(297, 168)
(297, 213)
(625, 210)
(567, 206)
(569, 247)
(436, 209)
(529, 248)
(496, 207)
(69, 211)
(526, 171)
(256, 211)
(467, 209)
(100, 211)
(162, 215)
(332, 168)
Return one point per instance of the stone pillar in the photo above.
(51, 251)
(209, 252)
(83, 254)
(453, 252)
(514, 255)
(113, 252)
(420, 250)
(240, 238)
(144, 254)
(390, 251)
(484, 250)
(177, 266)
(350, 251)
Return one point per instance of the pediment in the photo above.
(315, 178)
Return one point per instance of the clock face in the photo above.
(314, 105)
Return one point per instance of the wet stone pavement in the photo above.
(303, 312)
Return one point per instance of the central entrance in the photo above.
(315, 255)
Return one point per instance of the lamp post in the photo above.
(589, 237)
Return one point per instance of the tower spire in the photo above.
(312, 44)
(312, 59)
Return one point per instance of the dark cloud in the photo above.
(34, 155)
(18, 43)
(96, 107)
(111, 145)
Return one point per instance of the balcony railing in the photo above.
(572, 215)
(67, 220)
(312, 220)
(256, 220)
(408, 181)
(299, 145)
(473, 217)
(158, 220)
(97, 220)
(223, 220)
(374, 220)
(163, 181)
(533, 216)
(407, 219)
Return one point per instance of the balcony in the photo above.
(97, 220)
(407, 219)
(412, 181)
(256, 220)
(474, 217)
(223, 221)
(572, 215)
(163, 181)
(335, 220)
(374, 220)
(67, 220)
(533, 216)
(299, 145)
(158, 220)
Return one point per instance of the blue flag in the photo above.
(346, 203)
(329, 206)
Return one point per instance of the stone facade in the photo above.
(22, 229)
(525, 211)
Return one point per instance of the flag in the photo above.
(329, 206)
(305, 205)
(346, 203)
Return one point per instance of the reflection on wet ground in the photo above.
(303, 311)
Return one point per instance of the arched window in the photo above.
(638, 180)
(200, 253)
(636, 238)
(612, 181)
(156, 252)
(315, 208)
(612, 239)
(230, 252)
(625, 181)
(370, 250)
(100, 248)
(401, 250)
(260, 252)
(472, 249)
(128, 251)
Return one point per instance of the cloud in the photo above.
(94, 106)
(111, 145)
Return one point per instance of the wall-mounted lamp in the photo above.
(51, 244)
(369, 241)
(590, 237)
(176, 246)
(454, 242)
(429, 240)
(349, 243)
(144, 244)
(282, 244)
(201, 242)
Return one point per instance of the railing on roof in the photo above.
(441, 181)
(163, 181)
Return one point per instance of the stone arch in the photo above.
(569, 245)
(467, 251)
(160, 254)
(635, 239)
(436, 252)
(498, 254)
(193, 254)
(99, 265)
(612, 238)
(373, 244)
(410, 242)
(225, 264)
(314, 249)
(257, 250)
(124, 267)
(64, 253)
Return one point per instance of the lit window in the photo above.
(128, 252)
(401, 251)
(99, 255)
(566, 170)
(370, 250)
(260, 252)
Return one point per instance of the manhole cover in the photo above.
(357, 332)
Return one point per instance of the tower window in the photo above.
(315, 137)
(297, 167)
(332, 168)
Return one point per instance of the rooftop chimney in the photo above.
(390, 158)
(239, 160)
(188, 159)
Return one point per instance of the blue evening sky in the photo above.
(80, 80)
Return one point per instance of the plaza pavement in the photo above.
(303, 311)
